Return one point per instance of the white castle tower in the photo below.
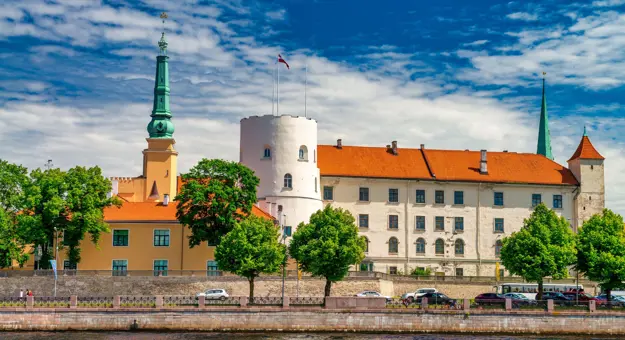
(282, 151)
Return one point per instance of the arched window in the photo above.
(267, 152)
(366, 244)
(439, 247)
(288, 181)
(303, 153)
(420, 246)
(498, 246)
(393, 245)
(459, 247)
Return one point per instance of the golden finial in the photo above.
(164, 16)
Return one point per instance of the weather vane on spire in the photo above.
(162, 44)
(544, 74)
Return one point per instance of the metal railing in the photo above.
(217, 275)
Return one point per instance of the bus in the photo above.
(530, 289)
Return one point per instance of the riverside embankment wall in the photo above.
(318, 320)
(96, 285)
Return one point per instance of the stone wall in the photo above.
(320, 320)
(235, 286)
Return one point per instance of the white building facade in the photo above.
(446, 210)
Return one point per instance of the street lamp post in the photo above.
(56, 252)
(286, 257)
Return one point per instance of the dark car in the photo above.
(558, 298)
(579, 296)
(497, 299)
(437, 299)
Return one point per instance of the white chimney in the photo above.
(339, 143)
(483, 165)
(166, 199)
(394, 147)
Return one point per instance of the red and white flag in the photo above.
(281, 60)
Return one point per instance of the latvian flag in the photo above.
(281, 60)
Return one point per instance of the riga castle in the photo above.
(446, 210)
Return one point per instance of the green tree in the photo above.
(251, 248)
(13, 180)
(545, 246)
(328, 245)
(69, 203)
(214, 196)
(601, 250)
(421, 271)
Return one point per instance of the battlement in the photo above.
(122, 179)
(271, 117)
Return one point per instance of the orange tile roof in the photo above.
(585, 150)
(154, 212)
(445, 165)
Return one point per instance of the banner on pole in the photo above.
(53, 264)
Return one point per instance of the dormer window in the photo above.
(303, 153)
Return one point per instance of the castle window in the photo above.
(328, 193)
(499, 199)
(393, 221)
(536, 200)
(459, 223)
(267, 152)
(459, 247)
(288, 181)
(557, 201)
(393, 245)
(499, 228)
(303, 153)
(498, 246)
(420, 222)
(420, 246)
(439, 247)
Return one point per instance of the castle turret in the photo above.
(282, 151)
(544, 137)
(587, 166)
(160, 159)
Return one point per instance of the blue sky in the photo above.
(76, 76)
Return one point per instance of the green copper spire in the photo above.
(161, 126)
(544, 138)
(585, 133)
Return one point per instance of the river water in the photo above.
(261, 336)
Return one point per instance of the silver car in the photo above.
(214, 294)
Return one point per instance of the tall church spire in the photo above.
(544, 137)
(161, 126)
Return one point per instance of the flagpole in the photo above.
(305, 92)
(278, 93)
(273, 91)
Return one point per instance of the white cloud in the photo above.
(276, 15)
(608, 3)
(476, 43)
(524, 16)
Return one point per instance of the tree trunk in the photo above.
(251, 280)
(608, 295)
(328, 287)
(539, 296)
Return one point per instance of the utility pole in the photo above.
(286, 257)
(56, 261)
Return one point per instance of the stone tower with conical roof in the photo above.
(544, 137)
(160, 159)
(587, 166)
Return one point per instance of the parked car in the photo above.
(410, 297)
(371, 293)
(214, 294)
(499, 299)
(579, 296)
(616, 300)
(557, 297)
(437, 299)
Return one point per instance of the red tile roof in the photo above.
(585, 150)
(445, 165)
(154, 212)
